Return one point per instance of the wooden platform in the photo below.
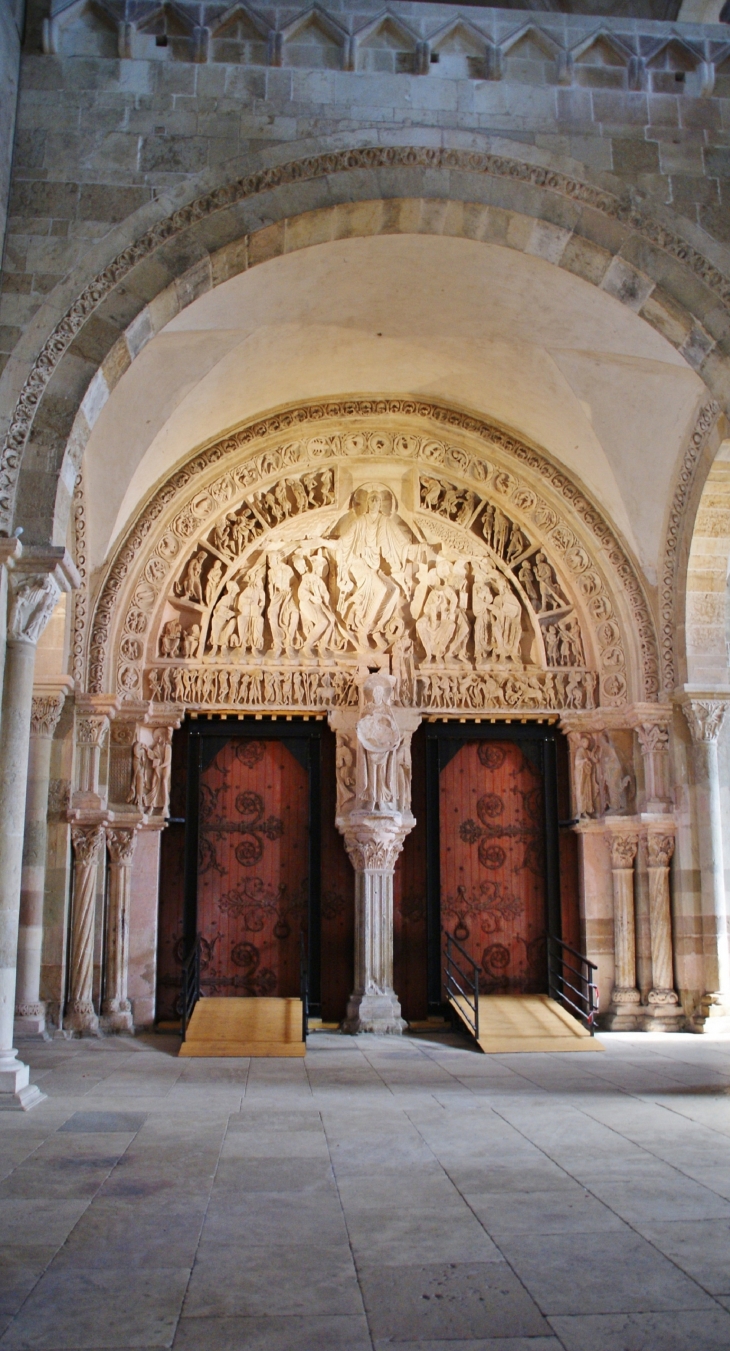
(527, 1023)
(245, 1027)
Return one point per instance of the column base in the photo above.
(374, 1013)
(624, 1011)
(16, 1093)
(663, 1012)
(713, 1014)
(82, 1018)
(30, 1021)
(117, 1019)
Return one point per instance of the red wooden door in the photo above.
(492, 868)
(252, 869)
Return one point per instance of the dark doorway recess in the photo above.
(243, 866)
(495, 853)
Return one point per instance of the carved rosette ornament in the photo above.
(117, 1010)
(88, 842)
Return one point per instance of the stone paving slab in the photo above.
(525, 1207)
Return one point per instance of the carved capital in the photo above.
(653, 738)
(121, 843)
(373, 843)
(623, 850)
(90, 731)
(88, 842)
(34, 598)
(45, 713)
(659, 850)
(705, 718)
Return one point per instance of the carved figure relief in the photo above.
(467, 605)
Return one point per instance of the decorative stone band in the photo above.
(624, 209)
(703, 427)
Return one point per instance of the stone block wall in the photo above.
(113, 113)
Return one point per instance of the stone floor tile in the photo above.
(621, 1274)
(448, 1300)
(508, 1177)
(98, 1122)
(244, 1177)
(38, 1220)
(667, 1198)
(700, 1247)
(113, 1235)
(73, 1310)
(481, 1344)
(341, 1333)
(708, 1330)
(255, 1144)
(292, 1281)
(415, 1236)
(270, 1218)
(21, 1267)
(553, 1212)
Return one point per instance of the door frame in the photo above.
(222, 729)
(544, 736)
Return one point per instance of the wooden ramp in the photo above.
(245, 1027)
(532, 1022)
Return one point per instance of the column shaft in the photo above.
(117, 1009)
(87, 843)
(625, 998)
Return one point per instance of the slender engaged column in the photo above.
(705, 718)
(117, 1010)
(30, 1011)
(663, 1003)
(373, 846)
(626, 998)
(88, 842)
(35, 586)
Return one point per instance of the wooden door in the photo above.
(253, 864)
(492, 868)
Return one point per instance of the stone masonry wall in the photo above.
(112, 112)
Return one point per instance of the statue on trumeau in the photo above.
(379, 736)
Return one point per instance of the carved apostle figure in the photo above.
(436, 622)
(319, 623)
(584, 778)
(282, 612)
(223, 620)
(170, 638)
(160, 760)
(250, 606)
(613, 784)
(506, 622)
(379, 738)
(191, 583)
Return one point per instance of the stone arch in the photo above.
(706, 596)
(97, 324)
(461, 489)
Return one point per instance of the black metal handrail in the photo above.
(571, 982)
(462, 985)
(304, 987)
(190, 985)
